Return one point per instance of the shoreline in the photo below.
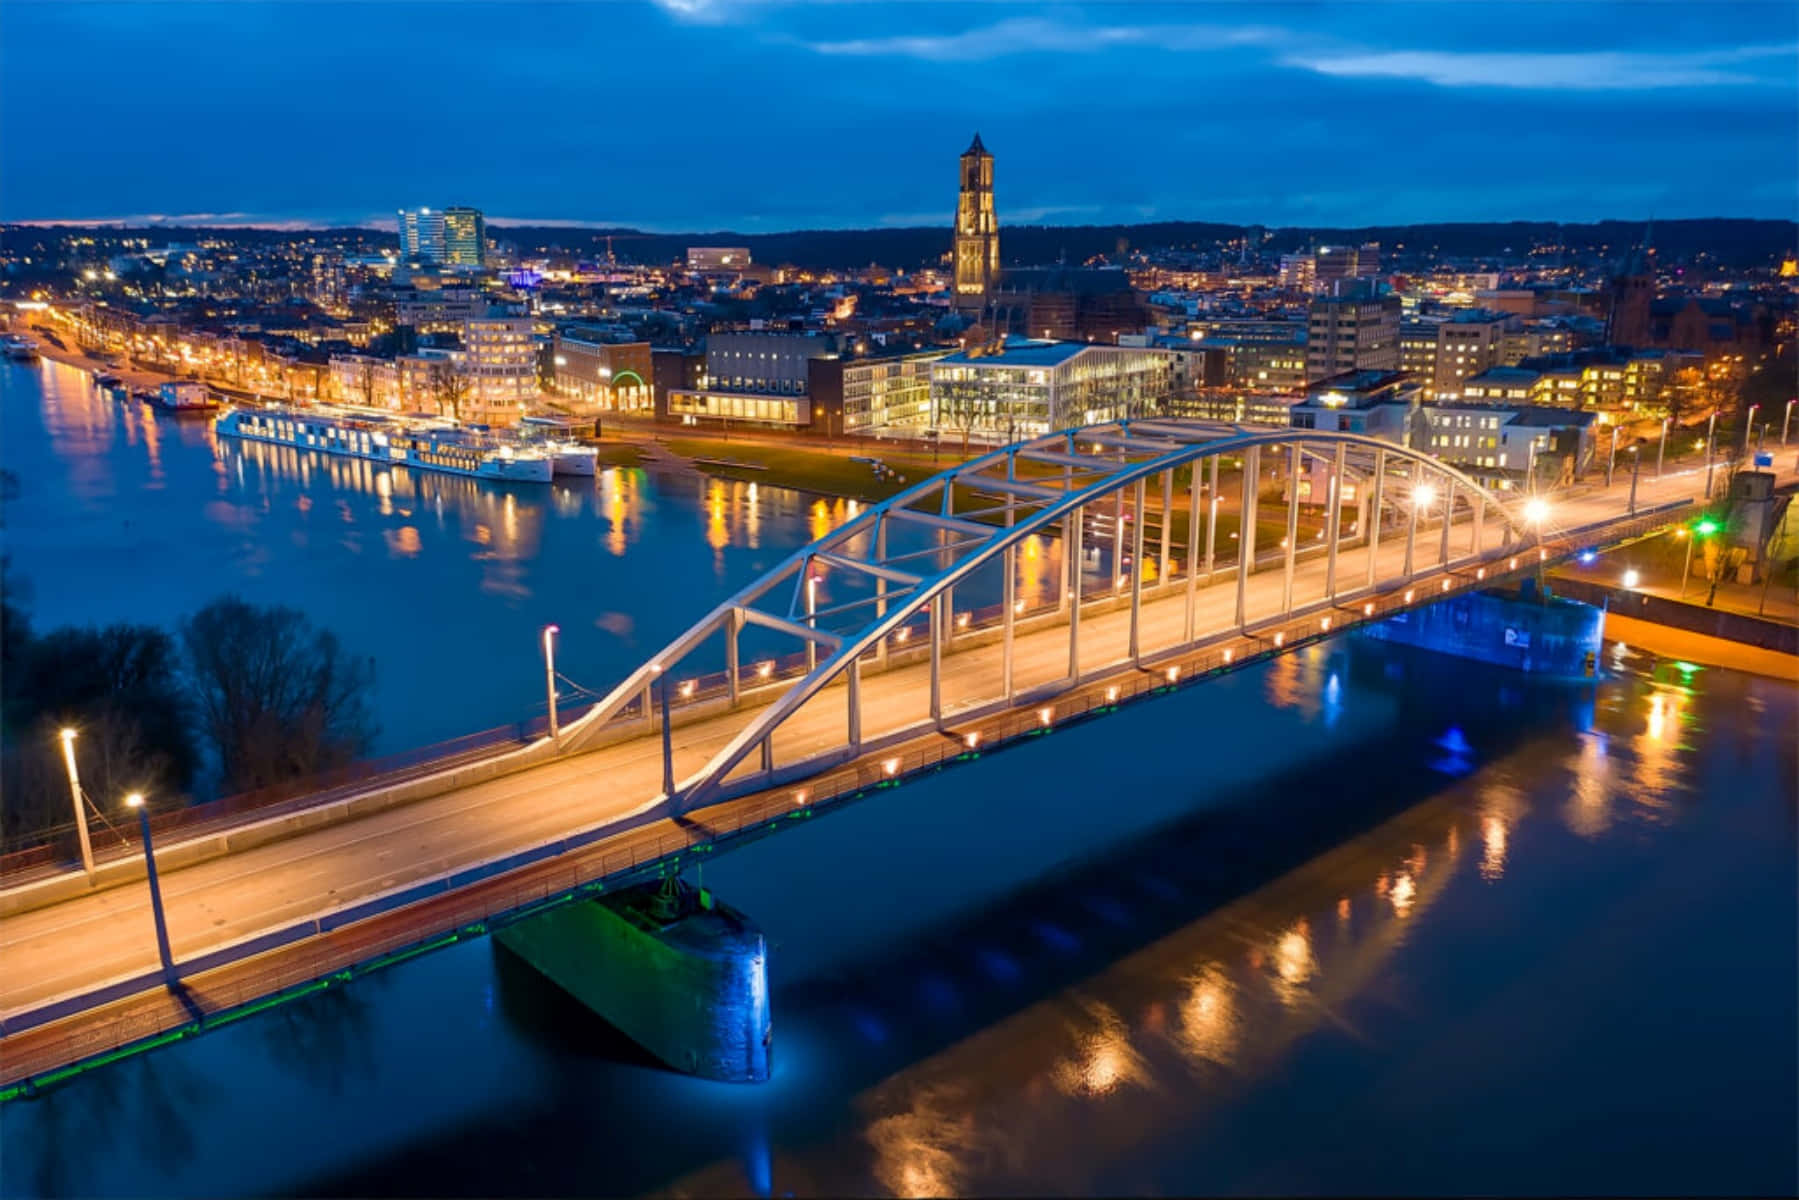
(1669, 642)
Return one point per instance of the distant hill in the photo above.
(1732, 241)
(1738, 242)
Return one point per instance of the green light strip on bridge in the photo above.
(26, 1087)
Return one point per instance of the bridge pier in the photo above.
(1525, 628)
(680, 973)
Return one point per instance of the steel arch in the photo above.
(1121, 455)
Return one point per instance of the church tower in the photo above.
(977, 231)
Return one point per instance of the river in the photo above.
(1362, 920)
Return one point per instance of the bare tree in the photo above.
(450, 387)
(278, 699)
(365, 382)
(960, 408)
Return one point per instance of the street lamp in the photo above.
(549, 678)
(87, 847)
(1661, 448)
(1636, 461)
(136, 800)
(1705, 528)
(1787, 421)
(1748, 424)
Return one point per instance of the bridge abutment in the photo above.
(681, 974)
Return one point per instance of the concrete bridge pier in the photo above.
(680, 973)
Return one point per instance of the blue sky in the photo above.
(769, 114)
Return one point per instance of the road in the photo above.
(83, 943)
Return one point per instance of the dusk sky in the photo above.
(760, 115)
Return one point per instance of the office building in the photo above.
(422, 235)
(871, 392)
(1503, 446)
(759, 377)
(1376, 403)
(499, 358)
(606, 373)
(1021, 388)
(465, 238)
(1352, 328)
(977, 231)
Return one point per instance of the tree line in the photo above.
(239, 697)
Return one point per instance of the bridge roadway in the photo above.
(79, 945)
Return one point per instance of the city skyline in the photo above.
(1281, 114)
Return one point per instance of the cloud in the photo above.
(1595, 70)
(1030, 35)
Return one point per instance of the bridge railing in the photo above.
(49, 851)
(243, 977)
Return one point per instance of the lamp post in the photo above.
(1661, 448)
(549, 678)
(87, 846)
(136, 800)
(1705, 527)
(1787, 421)
(1748, 424)
(1636, 461)
(1611, 462)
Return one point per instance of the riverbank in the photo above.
(1669, 642)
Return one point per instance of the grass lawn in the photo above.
(615, 454)
(807, 470)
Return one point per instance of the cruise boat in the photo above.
(183, 398)
(552, 435)
(382, 440)
(19, 349)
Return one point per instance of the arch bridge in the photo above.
(1032, 570)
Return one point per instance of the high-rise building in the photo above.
(702, 260)
(421, 235)
(464, 238)
(977, 231)
(1353, 328)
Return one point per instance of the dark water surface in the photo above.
(1362, 920)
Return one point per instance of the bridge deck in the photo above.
(74, 948)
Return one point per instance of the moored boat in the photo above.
(387, 441)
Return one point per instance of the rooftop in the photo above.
(1020, 352)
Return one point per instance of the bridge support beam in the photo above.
(937, 607)
(1293, 463)
(1246, 532)
(1009, 600)
(1411, 524)
(880, 551)
(733, 626)
(1333, 524)
(677, 971)
(1370, 509)
(1137, 574)
(853, 675)
(668, 740)
(1212, 520)
(1192, 552)
(1167, 523)
(1078, 519)
(1448, 518)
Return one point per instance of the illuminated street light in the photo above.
(1536, 510)
(1632, 578)
(1422, 495)
(87, 847)
(136, 800)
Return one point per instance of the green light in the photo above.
(1706, 527)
